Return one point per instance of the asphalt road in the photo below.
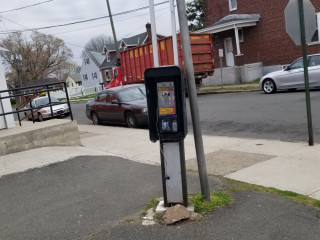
(280, 116)
(102, 198)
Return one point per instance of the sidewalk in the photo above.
(283, 165)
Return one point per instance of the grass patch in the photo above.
(255, 81)
(192, 170)
(241, 186)
(202, 205)
(226, 88)
(153, 203)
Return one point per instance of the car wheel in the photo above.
(131, 120)
(95, 119)
(269, 86)
(40, 117)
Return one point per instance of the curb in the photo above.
(230, 91)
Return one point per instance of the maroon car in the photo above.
(124, 105)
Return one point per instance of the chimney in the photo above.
(148, 27)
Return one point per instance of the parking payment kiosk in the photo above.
(165, 91)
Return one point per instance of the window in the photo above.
(85, 77)
(314, 61)
(94, 75)
(102, 97)
(108, 56)
(232, 5)
(111, 97)
(107, 75)
(86, 61)
(297, 64)
(315, 38)
(131, 94)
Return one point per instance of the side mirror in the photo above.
(114, 101)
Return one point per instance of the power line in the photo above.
(36, 31)
(26, 6)
(83, 21)
(100, 25)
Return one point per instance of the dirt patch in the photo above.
(224, 162)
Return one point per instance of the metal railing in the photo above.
(32, 93)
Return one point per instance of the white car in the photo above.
(292, 77)
(43, 110)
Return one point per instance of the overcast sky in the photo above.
(55, 12)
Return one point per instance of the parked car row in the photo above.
(292, 77)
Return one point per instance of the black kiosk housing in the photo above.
(165, 90)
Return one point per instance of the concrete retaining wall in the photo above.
(55, 132)
(235, 75)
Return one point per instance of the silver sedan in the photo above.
(292, 77)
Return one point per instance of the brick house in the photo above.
(253, 31)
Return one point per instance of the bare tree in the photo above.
(34, 59)
(97, 43)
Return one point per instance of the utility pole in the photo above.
(187, 56)
(114, 32)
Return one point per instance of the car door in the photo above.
(293, 76)
(100, 106)
(114, 109)
(314, 71)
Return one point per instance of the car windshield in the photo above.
(45, 101)
(132, 94)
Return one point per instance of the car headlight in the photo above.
(45, 111)
(65, 106)
(144, 110)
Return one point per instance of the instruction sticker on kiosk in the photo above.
(167, 107)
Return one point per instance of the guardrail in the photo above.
(34, 91)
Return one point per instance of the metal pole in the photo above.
(221, 71)
(154, 34)
(187, 56)
(50, 103)
(113, 31)
(174, 33)
(306, 74)
(68, 100)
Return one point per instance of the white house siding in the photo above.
(90, 74)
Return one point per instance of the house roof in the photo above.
(97, 58)
(230, 22)
(133, 41)
(112, 47)
(110, 64)
(136, 40)
(75, 76)
(42, 82)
